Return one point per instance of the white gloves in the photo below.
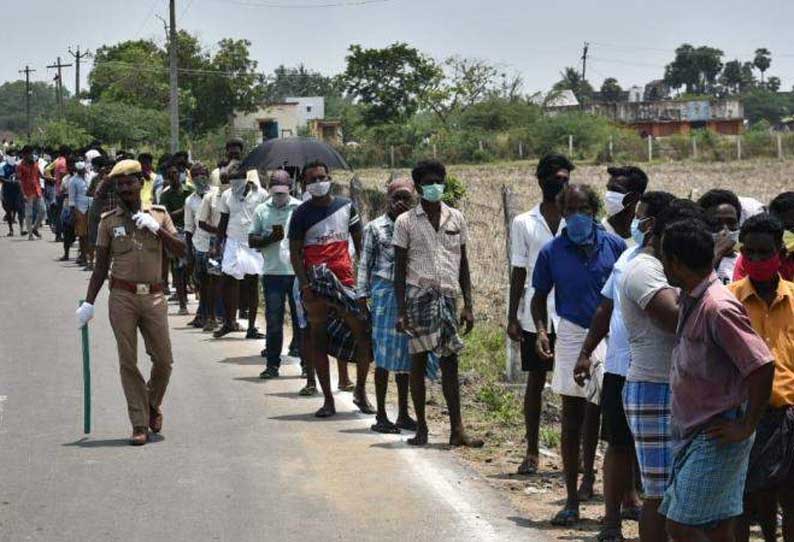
(85, 313)
(144, 220)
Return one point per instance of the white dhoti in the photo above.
(570, 338)
(240, 260)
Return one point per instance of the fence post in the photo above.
(694, 148)
(435, 152)
(513, 361)
(520, 150)
(481, 145)
(779, 147)
(738, 147)
(391, 155)
(570, 146)
(650, 148)
(611, 144)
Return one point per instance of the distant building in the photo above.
(288, 119)
(555, 98)
(668, 117)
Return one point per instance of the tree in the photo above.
(130, 72)
(762, 61)
(298, 81)
(748, 81)
(13, 117)
(694, 68)
(465, 82)
(572, 80)
(773, 84)
(610, 90)
(390, 82)
(732, 75)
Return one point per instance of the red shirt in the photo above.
(60, 170)
(29, 179)
(786, 269)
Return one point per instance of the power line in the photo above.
(350, 3)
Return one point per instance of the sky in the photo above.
(629, 40)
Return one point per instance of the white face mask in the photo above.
(238, 187)
(613, 201)
(280, 200)
(319, 189)
(11, 160)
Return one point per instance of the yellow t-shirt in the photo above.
(147, 192)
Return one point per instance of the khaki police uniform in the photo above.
(137, 302)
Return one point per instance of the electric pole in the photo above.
(174, 83)
(27, 71)
(59, 80)
(77, 57)
(584, 61)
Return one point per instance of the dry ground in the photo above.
(492, 408)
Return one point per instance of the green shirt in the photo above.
(174, 200)
(276, 255)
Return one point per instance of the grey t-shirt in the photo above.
(651, 347)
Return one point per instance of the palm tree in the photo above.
(762, 61)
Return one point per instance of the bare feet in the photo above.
(529, 465)
(421, 437)
(326, 411)
(586, 488)
(363, 403)
(461, 439)
(406, 423)
(346, 386)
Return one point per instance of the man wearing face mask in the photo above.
(528, 234)
(576, 266)
(173, 199)
(319, 231)
(625, 187)
(268, 233)
(29, 180)
(234, 151)
(13, 202)
(431, 267)
(723, 211)
(782, 207)
(195, 237)
(769, 301)
(241, 264)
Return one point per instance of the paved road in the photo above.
(241, 459)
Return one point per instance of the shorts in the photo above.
(614, 426)
(530, 360)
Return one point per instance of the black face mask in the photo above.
(551, 188)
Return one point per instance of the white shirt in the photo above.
(192, 204)
(209, 212)
(528, 234)
(241, 213)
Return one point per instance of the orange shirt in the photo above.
(775, 324)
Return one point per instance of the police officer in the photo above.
(130, 245)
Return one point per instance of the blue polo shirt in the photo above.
(577, 280)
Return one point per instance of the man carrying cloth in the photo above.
(720, 382)
(130, 244)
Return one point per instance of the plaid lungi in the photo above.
(341, 341)
(390, 347)
(707, 481)
(647, 407)
(432, 316)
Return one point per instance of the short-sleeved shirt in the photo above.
(29, 178)
(135, 254)
(377, 254)
(210, 213)
(775, 324)
(529, 233)
(716, 349)
(651, 346)
(618, 351)
(433, 256)
(325, 231)
(577, 279)
(726, 267)
(77, 192)
(147, 191)
(174, 200)
(192, 204)
(241, 212)
(276, 255)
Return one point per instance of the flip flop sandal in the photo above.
(364, 406)
(308, 391)
(565, 517)
(348, 387)
(324, 412)
(408, 425)
(385, 426)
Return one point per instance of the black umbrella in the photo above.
(292, 152)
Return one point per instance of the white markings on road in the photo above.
(2, 400)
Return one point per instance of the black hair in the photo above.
(313, 164)
(235, 142)
(26, 149)
(719, 196)
(551, 164)
(763, 223)
(677, 210)
(656, 201)
(782, 203)
(637, 179)
(100, 161)
(163, 161)
(428, 167)
(145, 157)
(180, 154)
(64, 150)
(592, 197)
(689, 242)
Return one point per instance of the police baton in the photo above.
(86, 378)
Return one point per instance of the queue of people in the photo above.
(668, 326)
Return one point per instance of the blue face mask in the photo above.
(637, 235)
(579, 228)
(432, 192)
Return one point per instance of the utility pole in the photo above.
(59, 80)
(584, 61)
(27, 71)
(174, 82)
(77, 57)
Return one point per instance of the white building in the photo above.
(280, 120)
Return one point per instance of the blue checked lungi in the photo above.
(390, 347)
(432, 316)
(647, 407)
(707, 481)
